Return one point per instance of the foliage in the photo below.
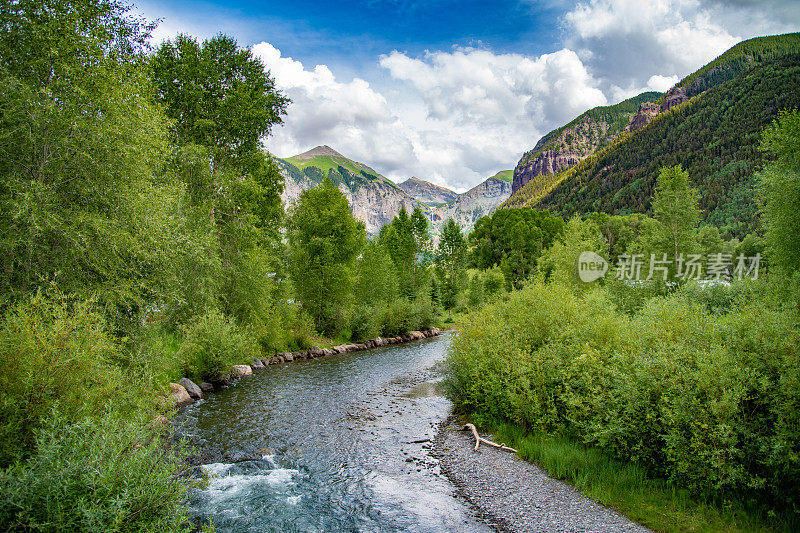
(450, 263)
(559, 262)
(707, 401)
(407, 240)
(95, 474)
(714, 136)
(324, 241)
(51, 355)
(219, 95)
(513, 239)
(781, 192)
(212, 344)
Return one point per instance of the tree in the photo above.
(219, 94)
(451, 258)
(407, 240)
(83, 204)
(324, 242)
(676, 210)
(780, 191)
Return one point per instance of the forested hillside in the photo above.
(714, 137)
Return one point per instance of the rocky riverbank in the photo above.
(185, 392)
(514, 495)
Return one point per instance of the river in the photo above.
(333, 444)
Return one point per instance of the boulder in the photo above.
(239, 371)
(191, 388)
(360, 347)
(416, 335)
(179, 394)
(436, 331)
(288, 357)
(206, 387)
(327, 352)
(315, 351)
(279, 358)
(257, 364)
(339, 349)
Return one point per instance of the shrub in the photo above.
(363, 323)
(396, 318)
(212, 344)
(706, 398)
(51, 354)
(97, 474)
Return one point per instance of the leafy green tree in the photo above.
(376, 283)
(781, 192)
(513, 239)
(407, 240)
(324, 241)
(82, 145)
(451, 263)
(218, 94)
(673, 230)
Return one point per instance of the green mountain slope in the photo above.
(714, 135)
(567, 145)
(323, 161)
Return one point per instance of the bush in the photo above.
(212, 344)
(707, 399)
(396, 318)
(97, 474)
(363, 323)
(51, 354)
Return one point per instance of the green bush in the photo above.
(97, 474)
(396, 318)
(363, 323)
(212, 344)
(706, 398)
(51, 354)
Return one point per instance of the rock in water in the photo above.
(238, 371)
(179, 394)
(191, 388)
(257, 364)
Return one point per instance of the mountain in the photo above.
(710, 123)
(481, 200)
(373, 198)
(427, 193)
(567, 145)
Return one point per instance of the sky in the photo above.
(453, 92)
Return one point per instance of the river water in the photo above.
(333, 444)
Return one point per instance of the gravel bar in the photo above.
(515, 495)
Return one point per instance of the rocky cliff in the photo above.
(373, 198)
(566, 146)
(467, 208)
(426, 192)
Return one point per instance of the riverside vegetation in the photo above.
(673, 402)
(142, 240)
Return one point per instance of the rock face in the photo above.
(646, 113)
(467, 208)
(191, 388)
(376, 200)
(568, 145)
(675, 96)
(179, 394)
(426, 192)
(372, 197)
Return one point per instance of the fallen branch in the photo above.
(479, 439)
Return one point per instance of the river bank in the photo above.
(515, 495)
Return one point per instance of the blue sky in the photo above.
(453, 91)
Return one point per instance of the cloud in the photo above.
(635, 43)
(456, 117)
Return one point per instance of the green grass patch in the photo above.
(654, 503)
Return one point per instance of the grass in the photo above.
(625, 487)
(505, 175)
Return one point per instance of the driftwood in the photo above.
(479, 439)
